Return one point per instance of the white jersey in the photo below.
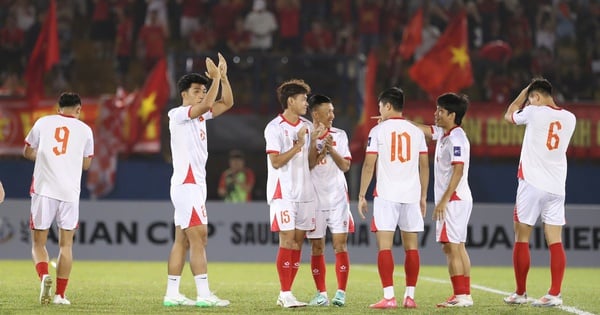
(398, 144)
(451, 148)
(62, 142)
(328, 179)
(291, 181)
(543, 153)
(188, 146)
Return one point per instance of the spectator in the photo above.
(238, 39)
(11, 46)
(123, 45)
(318, 40)
(237, 181)
(152, 39)
(24, 12)
(102, 31)
(369, 14)
(190, 17)
(226, 11)
(261, 23)
(288, 13)
(160, 8)
(203, 39)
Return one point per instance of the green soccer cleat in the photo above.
(339, 299)
(319, 300)
(179, 300)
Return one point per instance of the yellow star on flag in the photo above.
(148, 106)
(459, 55)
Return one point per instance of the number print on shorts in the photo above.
(61, 134)
(553, 138)
(285, 216)
(400, 147)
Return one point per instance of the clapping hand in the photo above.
(212, 71)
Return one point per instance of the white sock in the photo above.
(388, 292)
(173, 285)
(202, 286)
(285, 293)
(410, 291)
(323, 293)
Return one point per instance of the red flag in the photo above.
(447, 66)
(149, 103)
(370, 109)
(411, 37)
(45, 54)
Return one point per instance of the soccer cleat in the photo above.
(409, 302)
(179, 300)
(45, 287)
(462, 300)
(211, 301)
(60, 300)
(289, 301)
(515, 298)
(339, 299)
(319, 300)
(385, 303)
(548, 301)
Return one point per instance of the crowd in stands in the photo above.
(510, 41)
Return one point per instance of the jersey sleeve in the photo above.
(88, 150)
(208, 115)
(33, 137)
(372, 140)
(273, 139)
(343, 148)
(436, 133)
(180, 114)
(459, 152)
(521, 117)
(423, 148)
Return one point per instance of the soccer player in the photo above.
(400, 152)
(187, 124)
(453, 200)
(333, 207)
(541, 192)
(290, 192)
(62, 146)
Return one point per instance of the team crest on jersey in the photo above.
(456, 151)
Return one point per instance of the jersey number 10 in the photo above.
(400, 147)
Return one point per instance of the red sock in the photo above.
(385, 265)
(521, 263)
(342, 269)
(42, 269)
(284, 268)
(458, 284)
(467, 285)
(317, 264)
(296, 253)
(411, 267)
(558, 262)
(61, 286)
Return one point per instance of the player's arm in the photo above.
(213, 73)
(280, 159)
(424, 179)
(342, 163)
(425, 128)
(226, 101)
(440, 208)
(365, 179)
(87, 162)
(29, 153)
(517, 104)
(314, 156)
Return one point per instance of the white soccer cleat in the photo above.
(211, 301)
(516, 299)
(180, 300)
(289, 301)
(461, 300)
(60, 300)
(45, 288)
(548, 301)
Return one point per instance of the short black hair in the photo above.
(394, 96)
(454, 103)
(540, 85)
(186, 81)
(290, 88)
(68, 99)
(317, 99)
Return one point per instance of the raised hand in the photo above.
(302, 135)
(212, 72)
(222, 66)
(318, 131)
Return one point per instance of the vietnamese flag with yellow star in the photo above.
(447, 66)
(146, 110)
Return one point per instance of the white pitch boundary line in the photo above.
(569, 309)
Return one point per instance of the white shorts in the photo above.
(45, 209)
(388, 214)
(533, 203)
(189, 201)
(453, 229)
(338, 220)
(289, 215)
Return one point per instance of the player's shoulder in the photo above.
(458, 134)
(338, 131)
(306, 121)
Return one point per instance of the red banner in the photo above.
(491, 136)
(16, 119)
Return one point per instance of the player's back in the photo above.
(543, 154)
(399, 144)
(61, 143)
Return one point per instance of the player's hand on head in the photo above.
(222, 66)
(212, 72)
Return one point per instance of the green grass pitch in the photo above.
(138, 288)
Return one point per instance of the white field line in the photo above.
(569, 309)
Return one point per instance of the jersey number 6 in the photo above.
(553, 138)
